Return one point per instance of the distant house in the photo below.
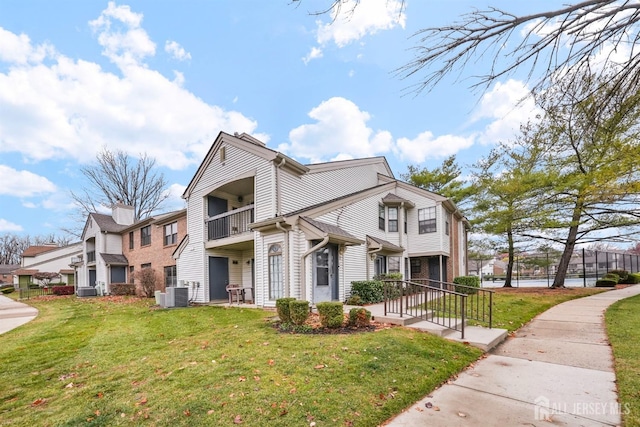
(115, 246)
(259, 219)
(6, 272)
(49, 258)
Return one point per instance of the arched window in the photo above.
(276, 282)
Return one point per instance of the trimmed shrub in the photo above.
(468, 284)
(299, 311)
(623, 274)
(282, 307)
(612, 276)
(62, 290)
(122, 289)
(7, 289)
(632, 279)
(606, 283)
(370, 291)
(331, 314)
(359, 317)
(354, 300)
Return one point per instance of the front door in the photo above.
(218, 277)
(434, 271)
(325, 274)
(92, 278)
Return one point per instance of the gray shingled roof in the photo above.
(106, 223)
(393, 198)
(114, 259)
(386, 245)
(329, 229)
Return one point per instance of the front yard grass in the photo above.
(116, 361)
(623, 327)
(515, 307)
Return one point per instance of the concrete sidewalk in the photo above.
(14, 314)
(557, 370)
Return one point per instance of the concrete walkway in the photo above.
(557, 370)
(14, 314)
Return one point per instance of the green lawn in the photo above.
(623, 328)
(119, 362)
(514, 307)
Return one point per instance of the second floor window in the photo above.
(381, 217)
(393, 219)
(171, 234)
(131, 240)
(427, 220)
(145, 236)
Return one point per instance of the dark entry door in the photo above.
(218, 277)
(434, 271)
(92, 277)
(325, 274)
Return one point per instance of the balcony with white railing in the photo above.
(229, 224)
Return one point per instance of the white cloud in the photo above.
(315, 53)
(504, 108)
(69, 108)
(23, 183)
(7, 226)
(176, 51)
(340, 132)
(426, 145)
(175, 200)
(352, 21)
(29, 205)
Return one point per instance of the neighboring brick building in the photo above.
(150, 243)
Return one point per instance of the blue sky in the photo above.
(164, 77)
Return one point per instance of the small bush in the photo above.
(7, 290)
(354, 300)
(606, 283)
(632, 279)
(622, 274)
(122, 289)
(299, 311)
(282, 307)
(148, 279)
(63, 290)
(359, 317)
(468, 284)
(331, 314)
(612, 276)
(370, 291)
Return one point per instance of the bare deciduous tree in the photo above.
(116, 178)
(12, 245)
(570, 39)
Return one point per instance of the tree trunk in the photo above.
(569, 246)
(507, 279)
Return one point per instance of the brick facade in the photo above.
(157, 254)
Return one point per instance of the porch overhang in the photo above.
(375, 244)
(114, 259)
(318, 230)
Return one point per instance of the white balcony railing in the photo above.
(228, 224)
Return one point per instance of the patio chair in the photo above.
(235, 292)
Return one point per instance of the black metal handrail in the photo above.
(479, 301)
(445, 304)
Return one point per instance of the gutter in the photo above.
(303, 269)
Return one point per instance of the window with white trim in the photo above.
(381, 217)
(393, 218)
(171, 234)
(427, 220)
(276, 281)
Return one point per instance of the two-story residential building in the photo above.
(150, 243)
(260, 219)
(49, 258)
(115, 245)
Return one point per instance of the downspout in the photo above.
(303, 269)
(279, 226)
(278, 202)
